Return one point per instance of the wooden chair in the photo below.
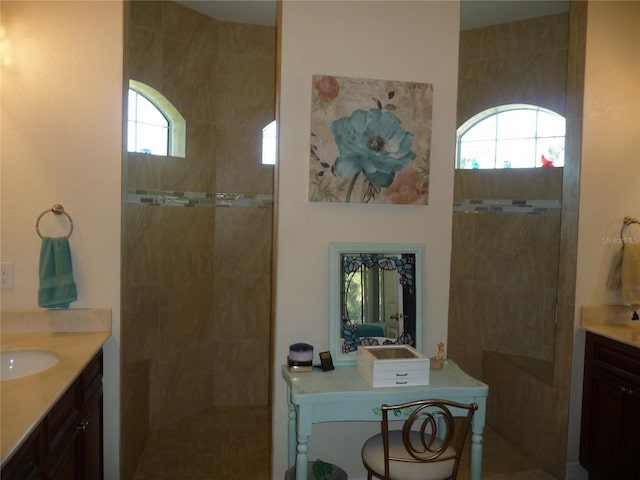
(428, 447)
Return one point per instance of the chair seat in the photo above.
(373, 458)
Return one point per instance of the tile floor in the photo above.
(501, 461)
(214, 446)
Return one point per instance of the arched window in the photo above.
(511, 136)
(155, 126)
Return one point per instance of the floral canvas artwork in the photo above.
(370, 141)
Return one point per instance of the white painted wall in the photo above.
(61, 114)
(400, 40)
(610, 176)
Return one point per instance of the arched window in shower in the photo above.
(511, 136)
(155, 126)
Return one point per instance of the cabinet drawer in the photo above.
(614, 355)
(411, 378)
(393, 368)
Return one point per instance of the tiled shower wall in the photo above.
(509, 339)
(197, 274)
(517, 62)
(504, 264)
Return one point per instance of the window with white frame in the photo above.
(155, 126)
(269, 144)
(511, 136)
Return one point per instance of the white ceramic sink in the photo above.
(22, 363)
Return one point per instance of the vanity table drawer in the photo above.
(401, 378)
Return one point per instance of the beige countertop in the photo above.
(612, 321)
(75, 335)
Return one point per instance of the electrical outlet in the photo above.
(6, 277)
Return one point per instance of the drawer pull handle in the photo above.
(627, 390)
(402, 383)
(83, 425)
(401, 374)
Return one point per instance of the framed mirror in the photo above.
(375, 297)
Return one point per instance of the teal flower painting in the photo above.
(370, 141)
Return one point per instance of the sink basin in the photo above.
(22, 363)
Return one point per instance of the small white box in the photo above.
(393, 366)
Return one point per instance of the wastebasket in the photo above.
(319, 470)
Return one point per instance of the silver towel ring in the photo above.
(58, 210)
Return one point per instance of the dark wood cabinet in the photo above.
(24, 464)
(67, 445)
(91, 423)
(610, 428)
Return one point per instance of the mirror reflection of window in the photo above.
(366, 291)
(353, 295)
(373, 296)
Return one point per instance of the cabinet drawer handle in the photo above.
(401, 374)
(402, 383)
(627, 390)
(83, 425)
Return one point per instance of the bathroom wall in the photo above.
(197, 259)
(610, 170)
(508, 269)
(61, 142)
(504, 267)
(410, 41)
(516, 62)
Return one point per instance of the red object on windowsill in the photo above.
(545, 162)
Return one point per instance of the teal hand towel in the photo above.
(57, 287)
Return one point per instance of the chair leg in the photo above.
(369, 476)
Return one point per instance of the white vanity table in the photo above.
(344, 395)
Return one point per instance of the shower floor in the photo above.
(222, 443)
(232, 443)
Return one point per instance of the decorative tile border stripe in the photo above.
(198, 199)
(533, 207)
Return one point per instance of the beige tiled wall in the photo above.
(196, 296)
(505, 288)
(504, 268)
(518, 62)
(508, 183)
